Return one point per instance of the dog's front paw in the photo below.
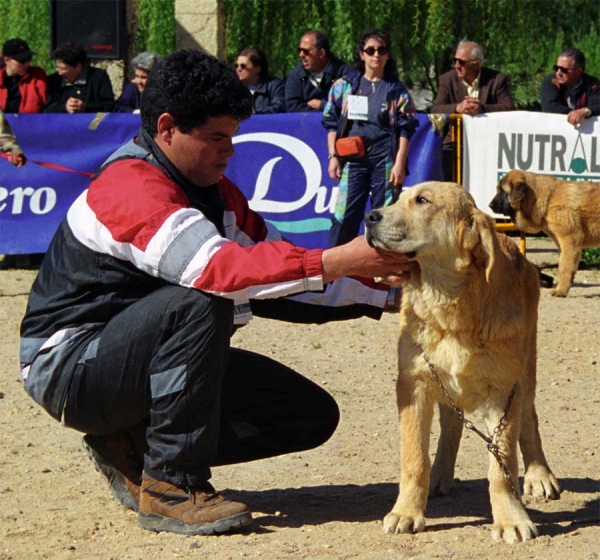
(559, 293)
(512, 533)
(540, 483)
(398, 523)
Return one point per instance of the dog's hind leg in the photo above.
(539, 480)
(442, 472)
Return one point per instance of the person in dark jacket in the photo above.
(569, 90)
(127, 333)
(267, 91)
(23, 88)
(130, 99)
(469, 89)
(77, 87)
(307, 84)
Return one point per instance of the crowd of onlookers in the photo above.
(75, 87)
(469, 88)
(366, 110)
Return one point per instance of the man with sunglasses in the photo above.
(569, 90)
(23, 87)
(307, 84)
(469, 89)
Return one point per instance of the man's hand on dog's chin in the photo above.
(357, 258)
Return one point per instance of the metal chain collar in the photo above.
(492, 442)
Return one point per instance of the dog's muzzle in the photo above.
(372, 220)
(501, 205)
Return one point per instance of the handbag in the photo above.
(351, 148)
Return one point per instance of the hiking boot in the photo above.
(120, 458)
(197, 511)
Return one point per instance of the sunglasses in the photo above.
(382, 51)
(242, 66)
(562, 69)
(460, 61)
(304, 52)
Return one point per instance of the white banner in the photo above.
(495, 143)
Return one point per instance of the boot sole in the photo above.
(158, 523)
(116, 482)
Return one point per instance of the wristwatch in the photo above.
(331, 156)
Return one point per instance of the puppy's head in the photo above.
(436, 223)
(510, 192)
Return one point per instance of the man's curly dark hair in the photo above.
(192, 87)
(71, 54)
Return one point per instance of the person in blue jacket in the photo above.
(130, 100)
(267, 91)
(370, 102)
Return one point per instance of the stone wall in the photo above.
(200, 25)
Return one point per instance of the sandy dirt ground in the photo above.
(326, 503)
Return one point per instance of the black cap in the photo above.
(17, 49)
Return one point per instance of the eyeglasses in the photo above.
(461, 62)
(242, 66)
(304, 52)
(382, 51)
(562, 69)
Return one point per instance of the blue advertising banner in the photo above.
(280, 164)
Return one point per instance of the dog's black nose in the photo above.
(372, 218)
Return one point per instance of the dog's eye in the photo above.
(421, 200)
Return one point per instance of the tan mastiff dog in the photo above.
(467, 341)
(566, 211)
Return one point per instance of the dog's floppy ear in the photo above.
(480, 240)
(518, 188)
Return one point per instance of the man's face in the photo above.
(466, 68)
(16, 68)
(566, 75)
(67, 72)
(313, 59)
(202, 155)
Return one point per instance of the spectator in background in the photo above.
(569, 90)
(469, 89)
(23, 87)
(267, 91)
(77, 87)
(373, 104)
(307, 84)
(131, 98)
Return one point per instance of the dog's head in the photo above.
(510, 192)
(437, 224)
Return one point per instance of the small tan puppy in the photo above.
(566, 211)
(470, 312)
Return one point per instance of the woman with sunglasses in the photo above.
(267, 91)
(373, 104)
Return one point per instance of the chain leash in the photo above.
(491, 442)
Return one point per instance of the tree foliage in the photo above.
(28, 20)
(520, 37)
(155, 26)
